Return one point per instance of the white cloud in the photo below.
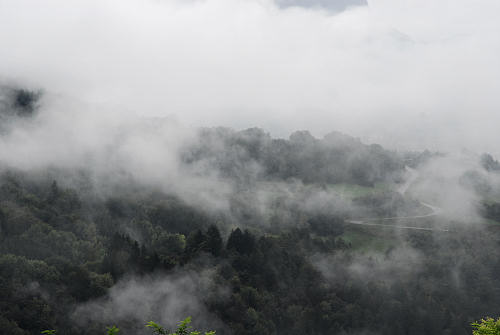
(423, 73)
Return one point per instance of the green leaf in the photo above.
(157, 329)
(112, 330)
(487, 326)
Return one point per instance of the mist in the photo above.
(263, 166)
(165, 299)
(430, 68)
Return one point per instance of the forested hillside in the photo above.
(60, 251)
(278, 252)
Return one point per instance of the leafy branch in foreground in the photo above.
(112, 330)
(182, 328)
(487, 326)
(156, 328)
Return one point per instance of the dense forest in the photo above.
(281, 256)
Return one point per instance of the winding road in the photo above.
(413, 175)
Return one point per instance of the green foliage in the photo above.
(112, 330)
(156, 328)
(72, 247)
(214, 242)
(182, 328)
(242, 242)
(487, 326)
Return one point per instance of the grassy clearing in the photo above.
(491, 200)
(490, 222)
(352, 191)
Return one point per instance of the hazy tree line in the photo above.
(253, 154)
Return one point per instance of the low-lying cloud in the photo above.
(395, 266)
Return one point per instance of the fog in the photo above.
(422, 74)
(115, 148)
(396, 266)
(128, 97)
(163, 299)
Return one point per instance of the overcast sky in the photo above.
(409, 73)
(332, 5)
